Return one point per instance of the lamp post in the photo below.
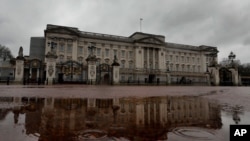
(231, 57)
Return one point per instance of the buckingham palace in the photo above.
(67, 55)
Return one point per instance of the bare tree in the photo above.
(5, 52)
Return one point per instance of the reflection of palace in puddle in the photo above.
(133, 118)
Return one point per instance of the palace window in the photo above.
(156, 65)
(123, 78)
(176, 59)
(177, 67)
(130, 54)
(194, 70)
(198, 60)
(69, 48)
(171, 58)
(130, 65)
(123, 64)
(61, 47)
(115, 52)
(98, 52)
(80, 50)
(98, 62)
(199, 69)
(188, 68)
(123, 53)
(171, 67)
(107, 52)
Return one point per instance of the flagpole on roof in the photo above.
(140, 23)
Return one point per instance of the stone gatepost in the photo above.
(208, 78)
(19, 66)
(168, 78)
(50, 68)
(91, 60)
(19, 70)
(91, 70)
(214, 77)
(115, 71)
(235, 76)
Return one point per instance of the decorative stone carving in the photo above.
(20, 52)
(50, 70)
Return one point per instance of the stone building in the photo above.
(63, 52)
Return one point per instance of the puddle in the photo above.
(173, 118)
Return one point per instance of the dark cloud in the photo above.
(223, 23)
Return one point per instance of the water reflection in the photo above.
(234, 111)
(150, 118)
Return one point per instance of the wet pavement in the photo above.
(124, 113)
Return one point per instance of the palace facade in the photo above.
(62, 56)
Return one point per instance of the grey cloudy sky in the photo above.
(221, 23)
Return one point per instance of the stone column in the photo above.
(50, 68)
(19, 70)
(215, 75)
(115, 71)
(19, 66)
(235, 76)
(208, 78)
(153, 58)
(168, 78)
(91, 72)
(91, 60)
(148, 63)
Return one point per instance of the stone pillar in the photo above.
(235, 76)
(215, 75)
(208, 78)
(153, 58)
(91, 60)
(19, 66)
(148, 63)
(50, 68)
(19, 70)
(115, 71)
(91, 72)
(168, 78)
(116, 74)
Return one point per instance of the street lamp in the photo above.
(231, 56)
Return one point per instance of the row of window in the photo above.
(80, 50)
(107, 61)
(184, 68)
(183, 59)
